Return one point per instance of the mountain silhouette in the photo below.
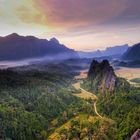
(133, 53)
(110, 51)
(16, 47)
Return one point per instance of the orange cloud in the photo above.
(29, 15)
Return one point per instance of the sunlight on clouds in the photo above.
(21, 17)
(103, 38)
(28, 13)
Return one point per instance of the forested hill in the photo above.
(122, 104)
(31, 99)
(16, 47)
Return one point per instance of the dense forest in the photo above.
(124, 109)
(39, 104)
(31, 99)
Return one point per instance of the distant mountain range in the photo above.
(16, 47)
(131, 58)
(133, 53)
(110, 51)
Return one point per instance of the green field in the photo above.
(136, 80)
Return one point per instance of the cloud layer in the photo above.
(81, 13)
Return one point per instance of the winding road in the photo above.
(95, 109)
(86, 95)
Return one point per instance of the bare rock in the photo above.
(136, 135)
(102, 77)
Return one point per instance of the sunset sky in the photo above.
(79, 24)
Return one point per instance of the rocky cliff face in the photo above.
(136, 135)
(101, 77)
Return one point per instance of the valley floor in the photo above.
(87, 95)
(129, 74)
(124, 72)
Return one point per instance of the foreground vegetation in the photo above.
(124, 109)
(30, 100)
(41, 105)
(85, 127)
(122, 106)
(135, 80)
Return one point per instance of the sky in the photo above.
(79, 24)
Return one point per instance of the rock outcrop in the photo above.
(136, 135)
(101, 77)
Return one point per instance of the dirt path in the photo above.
(87, 95)
(95, 109)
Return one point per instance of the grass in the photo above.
(83, 94)
(83, 118)
(135, 80)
